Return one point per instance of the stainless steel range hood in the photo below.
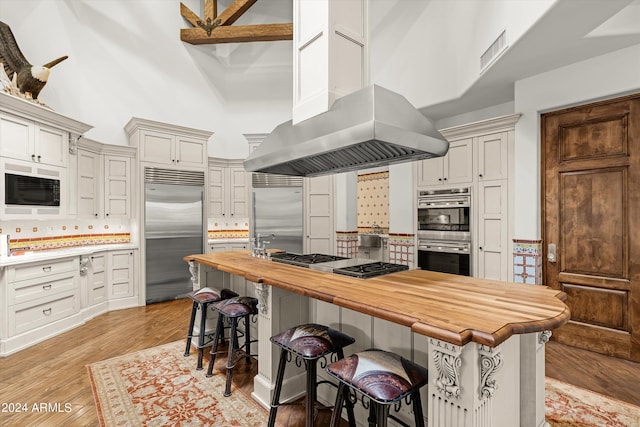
(368, 128)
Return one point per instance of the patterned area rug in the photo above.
(160, 387)
(571, 406)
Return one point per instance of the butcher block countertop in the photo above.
(451, 308)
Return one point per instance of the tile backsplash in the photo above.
(224, 228)
(58, 234)
(373, 202)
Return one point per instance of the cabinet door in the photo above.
(218, 247)
(458, 163)
(17, 137)
(157, 147)
(117, 186)
(319, 216)
(217, 193)
(89, 192)
(493, 156)
(430, 172)
(190, 152)
(120, 274)
(238, 194)
(493, 240)
(51, 146)
(97, 279)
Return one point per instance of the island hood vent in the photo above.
(368, 128)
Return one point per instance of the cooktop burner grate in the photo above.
(303, 260)
(372, 269)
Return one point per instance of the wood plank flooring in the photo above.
(54, 371)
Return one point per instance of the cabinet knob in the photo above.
(480, 248)
(440, 179)
(480, 175)
(39, 158)
(105, 214)
(96, 215)
(33, 157)
(445, 179)
(178, 161)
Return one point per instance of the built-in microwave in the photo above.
(31, 190)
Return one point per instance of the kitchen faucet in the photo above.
(258, 247)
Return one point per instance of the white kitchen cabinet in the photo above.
(96, 274)
(319, 216)
(120, 274)
(493, 255)
(456, 167)
(228, 190)
(28, 140)
(240, 245)
(169, 145)
(104, 180)
(40, 293)
(493, 156)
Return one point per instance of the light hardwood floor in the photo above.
(55, 371)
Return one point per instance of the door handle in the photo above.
(551, 252)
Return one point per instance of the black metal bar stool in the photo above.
(202, 298)
(233, 309)
(385, 378)
(310, 342)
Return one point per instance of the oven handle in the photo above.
(434, 204)
(443, 248)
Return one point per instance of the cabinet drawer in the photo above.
(25, 317)
(42, 269)
(30, 290)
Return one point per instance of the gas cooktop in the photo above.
(354, 267)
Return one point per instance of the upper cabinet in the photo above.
(105, 180)
(34, 142)
(456, 167)
(493, 151)
(228, 189)
(169, 145)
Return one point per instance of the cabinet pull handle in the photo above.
(46, 268)
(46, 312)
(46, 287)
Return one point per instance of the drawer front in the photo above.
(30, 290)
(42, 269)
(97, 295)
(23, 317)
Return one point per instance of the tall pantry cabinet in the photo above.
(481, 157)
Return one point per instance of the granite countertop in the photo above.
(34, 256)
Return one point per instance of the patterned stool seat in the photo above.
(382, 376)
(202, 298)
(233, 309)
(310, 342)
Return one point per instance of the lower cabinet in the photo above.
(241, 245)
(120, 274)
(39, 294)
(93, 272)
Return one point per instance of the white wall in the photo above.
(606, 76)
(126, 59)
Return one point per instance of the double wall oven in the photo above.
(444, 230)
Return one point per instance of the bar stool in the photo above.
(310, 342)
(233, 309)
(202, 298)
(385, 378)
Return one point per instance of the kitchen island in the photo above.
(485, 338)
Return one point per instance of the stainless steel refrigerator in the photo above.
(173, 228)
(277, 211)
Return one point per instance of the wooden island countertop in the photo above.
(455, 309)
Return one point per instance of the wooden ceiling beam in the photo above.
(214, 28)
(238, 34)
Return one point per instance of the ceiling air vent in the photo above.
(496, 48)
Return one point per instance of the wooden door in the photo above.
(591, 212)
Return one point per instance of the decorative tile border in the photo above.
(228, 234)
(527, 261)
(402, 249)
(223, 228)
(347, 243)
(67, 241)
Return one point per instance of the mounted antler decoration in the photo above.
(27, 80)
(214, 28)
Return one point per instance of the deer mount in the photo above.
(214, 28)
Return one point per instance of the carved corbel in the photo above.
(262, 292)
(544, 337)
(194, 269)
(490, 363)
(446, 358)
(73, 142)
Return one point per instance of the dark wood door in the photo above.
(591, 214)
